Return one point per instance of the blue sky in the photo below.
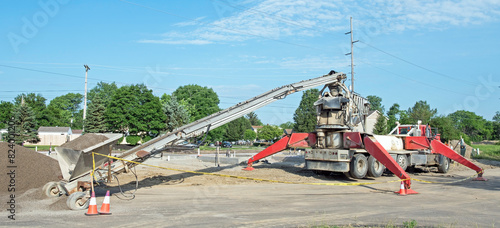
(443, 52)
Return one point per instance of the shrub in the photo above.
(133, 139)
(146, 138)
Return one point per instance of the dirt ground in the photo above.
(168, 198)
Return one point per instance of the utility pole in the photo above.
(352, 57)
(87, 68)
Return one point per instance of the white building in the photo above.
(55, 136)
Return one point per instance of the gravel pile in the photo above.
(84, 141)
(32, 169)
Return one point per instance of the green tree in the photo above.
(404, 117)
(202, 101)
(496, 117)
(217, 134)
(5, 113)
(496, 125)
(134, 109)
(176, 114)
(165, 98)
(51, 116)
(287, 125)
(70, 102)
(445, 127)
(488, 132)
(421, 111)
(269, 132)
(236, 129)
(102, 91)
(305, 114)
(375, 103)
(69, 110)
(78, 120)
(35, 101)
(392, 116)
(25, 124)
(380, 127)
(254, 120)
(249, 135)
(102, 94)
(95, 121)
(496, 130)
(472, 125)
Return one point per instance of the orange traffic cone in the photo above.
(92, 206)
(402, 190)
(105, 205)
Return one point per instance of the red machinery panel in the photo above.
(352, 140)
(289, 141)
(416, 143)
(301, 140)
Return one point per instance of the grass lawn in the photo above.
(40, 147)
(491, 152)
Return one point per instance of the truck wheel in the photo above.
(402, 161)
(444, 164)
(78, 201)
(359, 166)
(52, 189)
(375, 168)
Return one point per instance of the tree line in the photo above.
(461, 123)
(135, 111)
(132, 110)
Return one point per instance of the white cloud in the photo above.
(283, 19)
(195, 21)
(314, 62)
(425, 15)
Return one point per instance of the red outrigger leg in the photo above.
(440, 148)
(293, 140)
(376, 150)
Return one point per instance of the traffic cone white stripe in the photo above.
(106, 199)
(93, 201)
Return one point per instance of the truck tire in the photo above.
(444, 164)
(402, 161)
(359, 166)
(375, 168)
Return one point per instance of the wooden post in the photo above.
(109, 164)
